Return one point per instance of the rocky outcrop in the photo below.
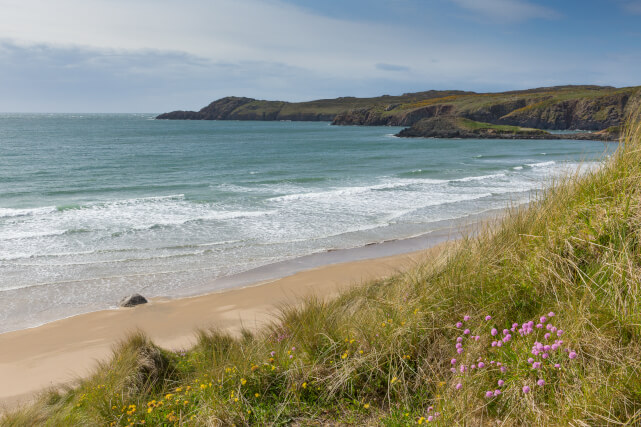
(133, 300)
(221, 109)
(458, 127)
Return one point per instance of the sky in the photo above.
(161, 55)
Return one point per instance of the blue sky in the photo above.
(160, 55)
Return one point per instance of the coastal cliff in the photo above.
(589, 108)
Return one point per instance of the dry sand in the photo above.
(63, 351)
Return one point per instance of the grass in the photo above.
(473, 125)
(381, 354)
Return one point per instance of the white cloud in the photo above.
(510, 10)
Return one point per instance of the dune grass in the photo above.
(569, 266)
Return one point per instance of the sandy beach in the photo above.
(63, 351)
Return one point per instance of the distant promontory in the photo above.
(526, 114)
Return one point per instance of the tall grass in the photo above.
(381, 354)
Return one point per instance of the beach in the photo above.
(63, 351)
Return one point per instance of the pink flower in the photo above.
(494, 332)
(541, 382)
(466, 332)
(505, 332)
(497, 392)
(489, 394)
(536, 365)
(466, 318)
(530, 360)
(272, 354)
(430, 409)
(481, 365)
(453, 370)
(547, 336)
(543, 319)
(572, 355)
(526, 389)
(459, 339)
(476, 338)
(473, 367)
(488, 317)
(459, 324)
(557, 366)
(499, 344)
(539, 326)
(459, 386)
(551, 314)
(554, 347)
(544, 355)
(515, 325)
(430, 418)
(500, 383)
(459, 350)
(559, 332)
(503, 369)
(459, 345)
(462, 368)
(453, 362)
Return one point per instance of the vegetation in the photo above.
(474, 125)
(561, 279)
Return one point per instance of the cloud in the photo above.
(391, 67)
(510, 10)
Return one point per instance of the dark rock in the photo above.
(133, 300)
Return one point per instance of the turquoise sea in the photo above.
(95, 207)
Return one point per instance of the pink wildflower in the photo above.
(466, 318)
(497, 392)
(543, 319)
(494, 332)
(488, 317)
(481, 365)
(453, 362)
(466, 332)
(430, 418)
(500, 383)
(541, 382)
(489, 394)
(459, 386)
(557, 366)
(559, 332)
(459, 324)
(526, 389)
(459, 339)
(459, 350)
(503, 369)
(551, 314)
(572, 355)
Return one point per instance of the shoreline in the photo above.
(440, 230)
(60, 353)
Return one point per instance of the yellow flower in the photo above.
(344, 355)
(441, 383)
(304, 385)
(420, 420)
(416, 311)
(178, 390)
(394, 380)
(169, 396)
(366, 406)
(203, 386)
(243, 381)
(149, 410)
(351, 341)
(257, 395)
(235, 399)
(360, 351)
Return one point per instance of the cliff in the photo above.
(592, 108)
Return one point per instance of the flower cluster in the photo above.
(501, 350)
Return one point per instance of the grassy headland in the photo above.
(534, 321)
(562, 107)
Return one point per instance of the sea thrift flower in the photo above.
(559, 332)
(453, 361)
(547, 336)
(488, 317)
(497, 392)
(466, 332)
(466, 318)
(494, 332)
(557, 366)
(500, 383)
(572, 355)
(459, 386)
(453, 370)
(541, 382)
(489, 394)
(505, 332)
(551, 314)
(536, 365)
(459, 324)
(459, 339)
(430, 418)
(543, 319)
(530, 360)
(503, 369)
(499, 344)
(459, 350)
(526, 389)
(481, 365)
(539, 326)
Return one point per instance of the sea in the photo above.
(94, 207)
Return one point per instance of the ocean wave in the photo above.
(479, 178)
(541, 164)
(12, 213)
